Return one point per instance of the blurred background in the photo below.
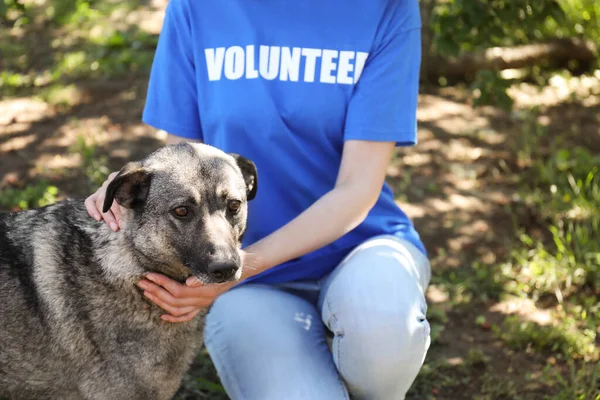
(504, 184)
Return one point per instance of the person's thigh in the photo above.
(268, 344)
(374, 304)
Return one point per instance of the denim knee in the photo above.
(388, 338)
(375, 305)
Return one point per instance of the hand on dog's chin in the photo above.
(192, 281)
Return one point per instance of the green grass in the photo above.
(555, 261)
(565, 338)
(32, 196)
(581, 383)
(437, 377)
(564, 191)
(201, 382)
(118, 54)
(475, 282)
(94, 166)
(80, 42)
(63, 97)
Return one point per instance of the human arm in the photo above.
(357, 188)
(382, 109)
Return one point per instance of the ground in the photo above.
(462, 185)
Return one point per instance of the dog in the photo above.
(73, 323)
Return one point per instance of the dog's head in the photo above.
(187, 209)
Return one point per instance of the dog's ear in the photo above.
(249, 173)
(129, 187)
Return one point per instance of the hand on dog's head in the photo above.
(129, 187)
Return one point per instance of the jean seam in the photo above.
(338, 336)
(424, 322)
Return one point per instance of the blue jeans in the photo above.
(270, 342)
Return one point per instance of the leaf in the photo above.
(557, 13)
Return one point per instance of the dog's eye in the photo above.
(181, 212)
(234, 205)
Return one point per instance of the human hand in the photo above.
(182, 301)
(95, 202)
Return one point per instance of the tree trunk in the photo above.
(556, 53)
(427, 7)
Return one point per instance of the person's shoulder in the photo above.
(179, 4)
(402, 15)
(185, 12)
(186, 6)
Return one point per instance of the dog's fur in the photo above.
(73, 323)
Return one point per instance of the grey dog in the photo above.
(73, 324)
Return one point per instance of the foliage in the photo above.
(202, 382)
(555, 262)
(478, 281)
(94, 166)
(10, 5)
(462, 25)
(72, 11)
(564, 189)
(564, 338)
(560, 185)
(85, 43)
(116, 54)
(32, 196)
(489, 88)
(582, 18)
(581, 384)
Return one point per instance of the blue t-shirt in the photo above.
(278, 82)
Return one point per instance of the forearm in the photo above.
(332, 216)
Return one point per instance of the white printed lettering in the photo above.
(234, 62)
(251, 72)
(328, 65)
(290, 64)
(214, 62)
(269, 62)
(310, 56)
(361, 59)
(345, 67)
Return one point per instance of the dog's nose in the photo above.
(222, 271)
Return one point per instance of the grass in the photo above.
(581, 383)
(560, 259)
(32, 196)
(554, 262)
(82, 42)
(202, 382)
(119, 53)
(565, 339)
(560, 186)
(94, 166)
